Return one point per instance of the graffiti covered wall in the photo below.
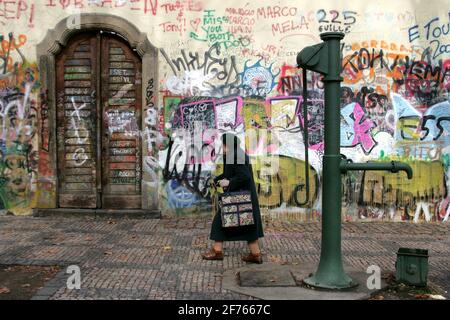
(229, 66)
(19, 88)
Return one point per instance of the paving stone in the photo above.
(161, 259)
(262, 278)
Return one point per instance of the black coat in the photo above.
(241, 178)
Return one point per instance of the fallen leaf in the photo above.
(275, 259)
(437, 297)
(123, 257)
(52, 251)
(4, 290)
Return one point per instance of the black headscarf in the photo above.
(235, 153)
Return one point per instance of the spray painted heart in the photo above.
(195, 23)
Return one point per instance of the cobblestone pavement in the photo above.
(161, 259)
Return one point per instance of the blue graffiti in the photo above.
(260, 80)
(179, 196)
(436, 123)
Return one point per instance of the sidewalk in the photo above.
(161, 259)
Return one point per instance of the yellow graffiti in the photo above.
(386, 188)
(284, 113)
(409, 128)
(254, 114)
(281, 180)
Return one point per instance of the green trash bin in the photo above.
(412, 266)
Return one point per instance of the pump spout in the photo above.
(401, 166)
(393, 166)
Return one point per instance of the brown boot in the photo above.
(213, 255)
(253, 258)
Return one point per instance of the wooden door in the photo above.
(121, 100)
(98, 123)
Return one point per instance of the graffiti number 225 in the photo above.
(348, 15)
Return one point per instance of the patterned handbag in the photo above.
(236, 209)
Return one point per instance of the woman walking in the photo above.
(237, 176)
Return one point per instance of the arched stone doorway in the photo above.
(137, 191)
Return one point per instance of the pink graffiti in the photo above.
(362, 129)
(229, 113)
(291, 116)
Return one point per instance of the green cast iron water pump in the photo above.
(325, 58)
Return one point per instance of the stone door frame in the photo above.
(52, 44)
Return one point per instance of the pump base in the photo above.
(343, 282)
